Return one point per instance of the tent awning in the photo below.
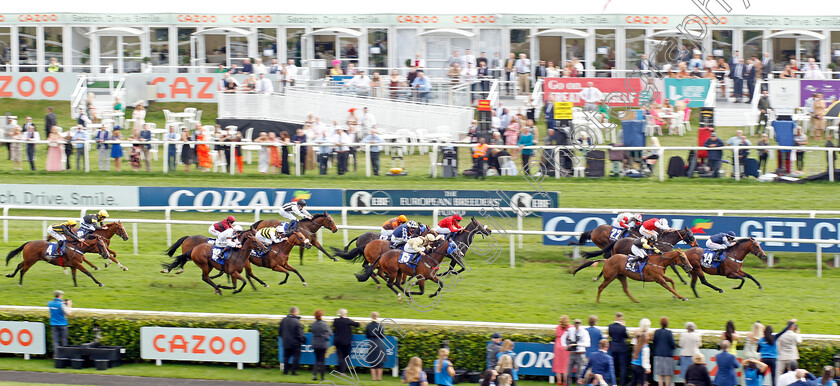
(335, 31)
(447, 31)
(223, 30)
(116, 31)
(566, 32)
(797, 33)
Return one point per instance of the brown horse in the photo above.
(277, 256)
(372, 251)
(654, 270)
(310, 228)
(601, 235)
(730, 266)
(363, 240)
(201, 255)
(107, 232)
(34, 251)
(396, 273)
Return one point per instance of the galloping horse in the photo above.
(396, 273)
(463, 240)
(107, 232)
(654, 270)
(277, 257)
(34, 251)
(730, 266)
(372, 251)
(362, 241)
(310, 228)
(666, 242)
(201, 255)
(601, 235)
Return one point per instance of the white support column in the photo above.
(512, 242)
(13, 31)
(93, 59)
(737, 164)
(40, 48)
(363, 51)
(281, 46)
(589, 52)
(770, 260)
(165, 147)
(825, 51)
(621, 51)
(67, 48)
(830, 165)
(519, 227)
(173, 49)
(252, 44)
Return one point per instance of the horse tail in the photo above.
(255, 225)
(604, 250)
(15, 252)
(179, 261)
(584, 237)
(174, 248)
(346, 247)
(352, 255)
(585, 264)
(368, 271)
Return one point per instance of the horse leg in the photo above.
(217, 276)
(670, 281)
(113, 257)
(623, 280)
(23, 267)
(694, 284)
(317, 244)
(280, 268)
(206, 278)
(74, 277)
(440, 286)
(706, 282)
(16, 270)
(293, 269)
(751, 278)
(301, 254)
(250, 273)
(662, 282)
(601, 287)
(237, 276)
(86, 272)
(736, 276)
(95, 268)
(674, 267)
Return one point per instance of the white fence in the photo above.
(511, 234)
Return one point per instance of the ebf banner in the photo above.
(359, 349)
(763, 227)
(490, 199)
(174, 196)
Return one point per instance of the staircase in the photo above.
(103, 93)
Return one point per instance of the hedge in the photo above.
(467, 344)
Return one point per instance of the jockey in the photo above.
(61, 231)
(627, 221)
(720, 242)
(268, 236)
(416, 246)
(642, 248)
(389, 226)
(285, 229)
(404, 232)
(652, 226)
(91, 223)
(294, 208)
(449, 225)
(221, 226)
(225, 240)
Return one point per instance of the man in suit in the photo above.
(540, 72)
(763, 106)
(602, 363)
(509, 71)
(644, 64)
(102, 148)
(749, 74)
(468, 59)
(146, 136)
(594, 335)
(618, 346)
(735, 57)
(49, 121)
(766, 66)
(727, 364)
(737, 75)
(31, 135)
(291, 331)
(483, 74)
(342, 338)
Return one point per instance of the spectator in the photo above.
(134, 155)
(790, 376)
(444, 371)
(493, 349)
(523, 72)
(591, 96)
(139, 116)
(116, 149)
(50, 120)
(740, 140)
(689, 346)
(79, 138)
(818, 117)
(812, 70)
(274, 68)
(375, 149)
(54, 65)
(394, 83)
(830, 144)
(320, 343)
(221, 69)
(259, 67)
(187, 150)
(262, 154)
(59, 309)
(376, 353)
(417, 61)
(291, 73)
(730, 335)
(172, 151)
(560, 364)
(594, 336)
(602, 363)
(749, 75)
(480, 157)
(827, 377)
(31, 135)
(423, 86)
(15, 149)
(763, 153)
(754, 372)
(714, 156)
(575, 340)
(737, 74)
(527, 139)
(804, 378)
(800, 139)
(697, 374)
(324, 151)
(300, 138)
(351, 70)
(342, 149)
(618, 345)
(507, 350)
(284, 141)
(488, 377)
(763, 107)
(264, 85)
(413, 374)
(250, 84)
(505, 367)
(787, 344)
(367, 120)
(640, 360)
(342, 329)
(768, 352)
(68, 149)
(359, 84)
(102, 148)
(751, 343)
(228, 83)
(247, 67)
(726, 364)
(663, 348)
(291, 331)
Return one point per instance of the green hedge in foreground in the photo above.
(467, 345)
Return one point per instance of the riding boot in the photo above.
(60, 247)
(718, 254)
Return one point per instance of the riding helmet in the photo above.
(402, 218)
(231, 219)
(71, 222)
(730, 233)
(103, 213)
(458, 217)
(237, 228)
(412, 224)
(301, 202)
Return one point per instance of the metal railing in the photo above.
(79, 94)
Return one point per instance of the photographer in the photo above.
(576, 340)
(59, 309)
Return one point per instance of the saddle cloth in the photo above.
(53, 251)
(256, 253)
(220, 257)
(616, 233)
(452, 249)
(635, 266)
(409, 258)
(709, 259)
(211, 240)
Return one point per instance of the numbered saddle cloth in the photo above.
(53, 250)
(220, 255)
(616, 233)
(211, 240)
(635, 266)
(409, 258)
(259, 254)
(709, 260)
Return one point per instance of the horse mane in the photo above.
(742, 240)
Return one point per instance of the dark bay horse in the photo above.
(730, 266)
(310, 228)
(362, 241)
(34, 251)
(462, 241)
(107, 232)
(277, 256)
(397, 273)
(654, 271)
(601, 235)
(201, 255)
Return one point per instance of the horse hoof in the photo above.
(635, 301)
(265, 285)
(101, 285)
(594, 279)
(219, 292)
(333, 259)
(304, 285)
(683, 299)
(721, 291)
(377, 286)
(97, 268)
(164, 271)
(125, 269)
(760, 289)
(180, 271)
(10, 275)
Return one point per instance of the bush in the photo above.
(466, 343)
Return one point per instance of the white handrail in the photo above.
(78, 95)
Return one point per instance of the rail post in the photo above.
(165, 155)
(232, 158)
(6, 224)
(435, 215)
(367, 160)
(134, 238)
(256, 214)
(512, 250)
(86, 146)
(434, 160)
(576, 253)
(344, 225)
(819, 260)
(519, 225)
(661, 165)
(320, 235)
(737, 164)
(831, 166)
(770, 261)
(168, 214)
(43, 229)
(836, 261)
(297, 159)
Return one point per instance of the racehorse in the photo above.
(730, 266)
(34, 251)
(363, 240)
(201, 255)
(654, 270)
(371, 251)
(665, 243)
(107, 232)
(463, 240)
(277, 257)
(310, 226)
(601, 235)
(396, 273)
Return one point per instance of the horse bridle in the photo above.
(686, 241)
